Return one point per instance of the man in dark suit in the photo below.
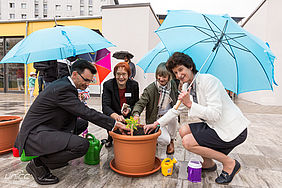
(50, 128)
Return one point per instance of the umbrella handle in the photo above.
(184, 87)
(177, 104)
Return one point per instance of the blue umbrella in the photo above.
(153, 58)
(56, 43)
(219, 46)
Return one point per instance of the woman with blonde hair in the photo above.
(158, 98)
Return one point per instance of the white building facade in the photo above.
(131, 28)
(265, 24)
(30, 9)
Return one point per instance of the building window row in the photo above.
(12, 5)
(58, 7)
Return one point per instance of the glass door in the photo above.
(11, 74)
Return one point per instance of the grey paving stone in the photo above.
(260, 155)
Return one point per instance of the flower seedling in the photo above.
(132, 124)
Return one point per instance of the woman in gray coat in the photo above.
(158, 98)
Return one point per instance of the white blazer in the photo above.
(215, 107)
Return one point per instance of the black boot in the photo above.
(109, 142)
(41, 173)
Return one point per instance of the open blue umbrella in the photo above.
(219, 46)
(56, 43)
(153, 58)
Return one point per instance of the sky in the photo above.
(235, 8)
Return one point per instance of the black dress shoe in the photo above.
(210, 169)
(41, 174)
(108, 142)
(225, 178)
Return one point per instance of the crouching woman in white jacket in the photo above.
(223, 125)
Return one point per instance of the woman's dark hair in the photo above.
(81, 65)
(179, 58)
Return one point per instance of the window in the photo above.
(90, 2)
(12, 16)
(23, 16)
(81, 1)
(36, 15)
(58, 7)
(90, 11)
(69, 7)
(23, 5)
(36, 8)
(81, 10)
(57, 16)
(45, 9)
(45, 16)
(12, 5)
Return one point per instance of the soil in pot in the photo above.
(138, 132)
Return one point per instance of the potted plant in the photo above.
(135, 153)
(9, 128)
(132, 123)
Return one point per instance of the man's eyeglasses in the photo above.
(86, 80)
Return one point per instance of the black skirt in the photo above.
(207, 137)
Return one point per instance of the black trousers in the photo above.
(76, 147)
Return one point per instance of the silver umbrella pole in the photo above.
(214, 48)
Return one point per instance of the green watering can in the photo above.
(92, 156)
(25, 158)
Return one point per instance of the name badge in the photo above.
(127, 94)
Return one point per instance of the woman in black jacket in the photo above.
(117, 92)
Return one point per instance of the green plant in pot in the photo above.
(132, 123)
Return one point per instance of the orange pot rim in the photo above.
(15, 119)
(135, 138)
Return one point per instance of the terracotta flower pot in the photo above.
(135, 154)
(9, 128)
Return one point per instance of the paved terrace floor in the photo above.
(260, 156)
